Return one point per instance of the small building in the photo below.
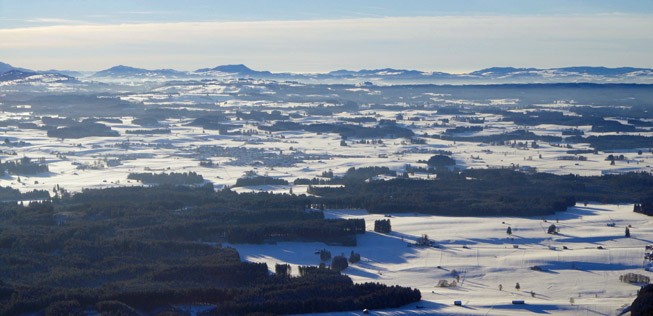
(458, 303)
(518, 302)
(648, 258)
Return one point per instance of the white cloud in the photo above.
(428, 43)
(53, 21)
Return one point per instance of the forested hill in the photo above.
(137, 248)
(485, 192)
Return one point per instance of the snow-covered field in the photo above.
(485, 257)
(177, 152)
(573, 276)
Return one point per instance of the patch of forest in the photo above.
(352, 175)
(316, 290)
(609, 126)
(58, 121)
(261, 116)
(643, 303)
(9, 194)
(614, 142)
(214, 122)
(359, 119)
(24, 166)
(194, 213)
(82, 130)
(148, 131)
(533, 118)
(645, 206)
(173, 178)
(148, 121)
(76, 105)
(143, 247)
(138, 248)
(463, 129)
(486, 192)
(505, 137)
(259, 180)
(344, 130)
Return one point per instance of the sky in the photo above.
(323, 35)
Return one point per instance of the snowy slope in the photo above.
(485, 257)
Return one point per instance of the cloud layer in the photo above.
(453, 43)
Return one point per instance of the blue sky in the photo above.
(20, 13)
(316, 35)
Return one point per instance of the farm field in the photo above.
(480, 252)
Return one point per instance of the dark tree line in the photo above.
(364, 173)
(501, 138)
(136, 249)
(614, 142)
(259, 180)
(316, 290)
(331, 292)
(8, 194)
(24, 166)
(645, 207)
(82, 130)
(262, 115)
(339, 263)
(440, 161)
(149, 246)
(643, 303)
(282, 270)
(331, 231)
(354, 257)
(172, 178)
(382, 226)
(325, 255)
(344, 130)
(352, 175)
(463, 129)
(482, 192)
(149, 131)
(214, 121)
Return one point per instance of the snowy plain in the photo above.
(178, 152)
(477, 248)
(484, 257)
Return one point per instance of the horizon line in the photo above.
(332, 70)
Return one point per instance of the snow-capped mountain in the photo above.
(17, 77)
(566, 74)
(238, 70)
(132, 72)
(498, 75)
(11, 76)
(507, 75)
(390, 75)
(7, 67)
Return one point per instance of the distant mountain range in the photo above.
(9, 73)
(131, 72)
(239, 69)
(489, 75)
(386, 75)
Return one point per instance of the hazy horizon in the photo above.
(320, 36)
(281, 71)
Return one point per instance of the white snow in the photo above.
(485, 257)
